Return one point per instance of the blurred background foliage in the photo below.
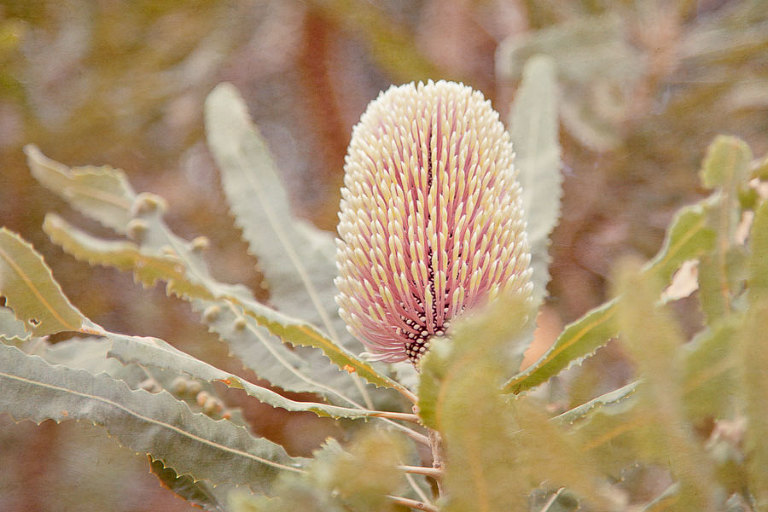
(646, 84)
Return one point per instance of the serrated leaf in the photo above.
(157, 353)
(534, 130)
(297, 259)
(725, 168)
(611, 399)
(459, 396)
(727, 163)
(653, 340)
(687, 238)
(709, 377)
(29, 289)
(154, 423)
(10, 327)
(758, 249)
(102, 193)
(126, 256)
(753, 358)
(300, 333)
(198, 494)
(161, 252)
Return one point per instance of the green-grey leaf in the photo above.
(10, 327)
(158, 353)
(725, 168)
(709, 377)
(726, 164)
(102, 193)
(611, 399)
(653, 339)
(198, 494)
(688, 237)
(459, 396)
(31, 292)
(753, 358)
(758, 249)
(533, 127)
(162, 255)
(296, 258)
(154, 423)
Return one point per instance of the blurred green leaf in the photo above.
(758, 260)
(534, 130)
(726, 164)
(687, 238)
(364, 473)
(607, 400)
(725, 168)
(154, 423)
(754, 360)
(651, 336)
(595, 65)
(709, 376)
(754, 392)
(459, 396)
(196, 493)
(102, 193)
(31, 292)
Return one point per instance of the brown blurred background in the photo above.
(646, 85)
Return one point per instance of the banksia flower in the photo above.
(431, 220)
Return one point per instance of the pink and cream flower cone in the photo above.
(431, 219)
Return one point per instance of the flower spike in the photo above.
(431, 219)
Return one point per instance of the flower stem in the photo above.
(416, 505)
(420, 470)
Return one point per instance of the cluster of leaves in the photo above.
(693, 416)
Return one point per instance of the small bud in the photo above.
(200, 243)
(213, 406)
(136, 229)
(240, 323)
(147, 203)
(194, 387)
(179, 385)
(211, 314)
(202, 397)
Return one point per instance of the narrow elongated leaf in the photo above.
(29, 289)
(459, 396)
(303, 334)
(198, 494)
(533, 127)
(754, 392)
(688, 237)
(153, 423)
(607, 400)
(160, 254)
(652, 338)
(102, 193)
(753, 359)
(10, 327)
(758, 263)
(725, 168)
(127, 256)
(296, 258)
(709, 380)
(156, 352)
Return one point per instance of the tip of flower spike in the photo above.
(431, 220)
